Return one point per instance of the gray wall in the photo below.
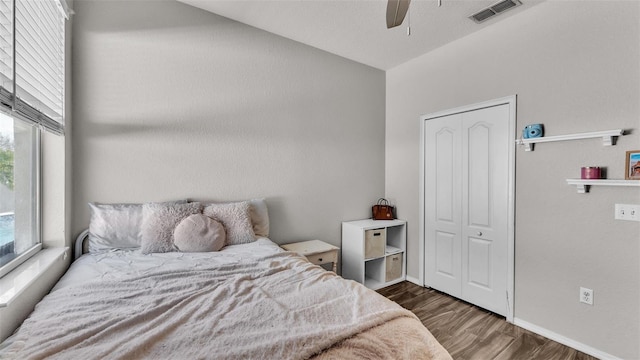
(575, 66)
(174, 102)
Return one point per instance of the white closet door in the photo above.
(466, 205)
(442, 208)
(485, 195)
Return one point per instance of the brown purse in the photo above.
(382, 210)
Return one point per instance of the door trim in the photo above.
(512, 102)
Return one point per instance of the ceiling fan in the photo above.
(396, 11)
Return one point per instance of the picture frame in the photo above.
(632, 165)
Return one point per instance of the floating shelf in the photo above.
(583, 184)
(607, 138)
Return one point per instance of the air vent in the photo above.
(494, 10)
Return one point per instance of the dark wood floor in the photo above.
(469, 332)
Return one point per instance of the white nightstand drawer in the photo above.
(330, 256)
(316, 251)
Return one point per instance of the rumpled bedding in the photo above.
(253, 302)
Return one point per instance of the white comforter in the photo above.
(248, 303)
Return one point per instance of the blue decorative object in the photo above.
(533, 131)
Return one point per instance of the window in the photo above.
(32, 45)
(19, 164)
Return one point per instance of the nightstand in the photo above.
(316, 251)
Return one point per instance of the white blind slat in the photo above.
(29, 31)
(30, 61)
(29, 26)
(28, 99)
(6, 43)
(27, 86)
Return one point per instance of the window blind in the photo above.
(6, 53)
(32, 61)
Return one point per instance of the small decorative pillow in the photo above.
(236, 220)
(199, 233)
(158, 223)
(116, 226)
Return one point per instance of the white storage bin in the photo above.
(393, 267)
(375, 241)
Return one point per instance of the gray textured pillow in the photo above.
(116, 226)
(236, 220)
(199, 233)
(158, 223)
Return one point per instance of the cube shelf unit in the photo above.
(374, 252)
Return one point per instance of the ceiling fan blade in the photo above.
(396, 10)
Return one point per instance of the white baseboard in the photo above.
(416, 281)
(564, 340)
(549, 334)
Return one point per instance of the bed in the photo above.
(247, 300)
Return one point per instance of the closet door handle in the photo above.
(479, 233)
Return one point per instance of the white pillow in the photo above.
(199, 233)
(158, 223)
(259, 217)
(116, 226)
(236, 220)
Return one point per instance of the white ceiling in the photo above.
(356, 29)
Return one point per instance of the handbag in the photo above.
(382, 210)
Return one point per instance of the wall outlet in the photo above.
(627, 212)
(586, 296)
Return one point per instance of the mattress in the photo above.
(115, 264)
(250, 301)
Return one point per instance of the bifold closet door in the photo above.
(443, 202)
(466, 205)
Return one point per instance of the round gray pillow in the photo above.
(199, 233)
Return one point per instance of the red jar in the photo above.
(591, 172)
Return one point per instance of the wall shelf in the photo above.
(583, 184)
(607, 138)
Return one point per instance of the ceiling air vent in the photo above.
(494, 10)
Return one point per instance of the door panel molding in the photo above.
(481, 277)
